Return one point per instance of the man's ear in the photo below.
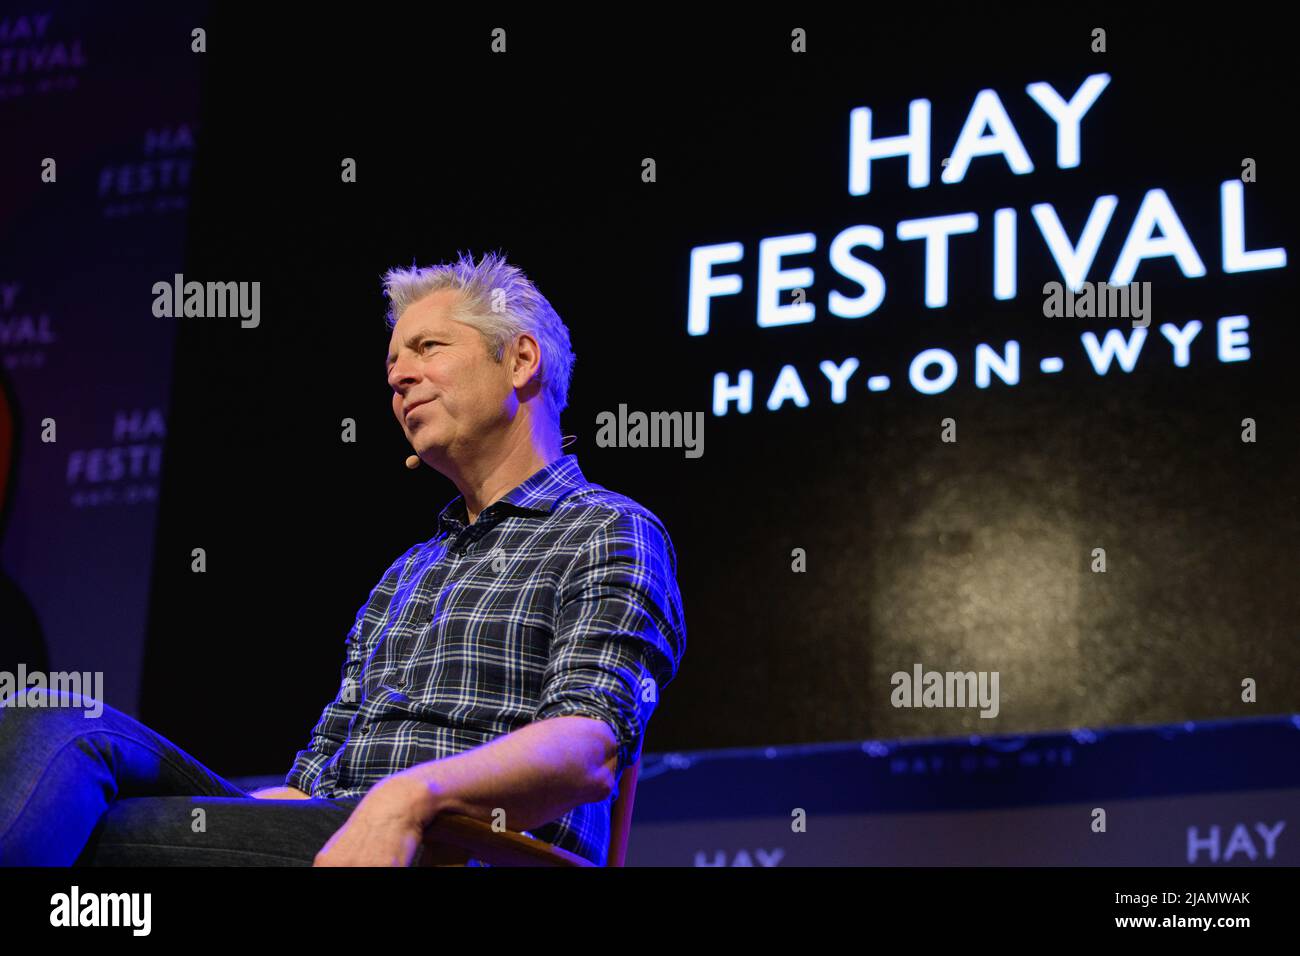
(527, 360)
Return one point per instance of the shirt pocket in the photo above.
(488, 668)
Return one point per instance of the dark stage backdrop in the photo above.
(975, 554)
(99, 118)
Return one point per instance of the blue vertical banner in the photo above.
(101, 119)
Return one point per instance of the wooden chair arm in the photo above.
(454, 838)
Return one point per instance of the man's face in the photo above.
(442, 367)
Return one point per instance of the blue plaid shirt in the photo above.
(561, 598)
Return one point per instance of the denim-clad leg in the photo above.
(61, 771)
(214, 831)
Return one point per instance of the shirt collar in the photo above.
(538, 495)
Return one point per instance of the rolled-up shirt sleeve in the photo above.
(620, 631)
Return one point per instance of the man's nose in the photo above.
(402, 375)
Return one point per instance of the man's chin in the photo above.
(430, 451)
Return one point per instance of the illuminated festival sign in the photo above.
(787, 293)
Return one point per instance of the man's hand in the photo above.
(280, 793)
(386, 828)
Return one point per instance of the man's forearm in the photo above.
(534, 775)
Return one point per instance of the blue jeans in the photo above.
(106, 790)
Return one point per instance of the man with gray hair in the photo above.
(505, 668)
